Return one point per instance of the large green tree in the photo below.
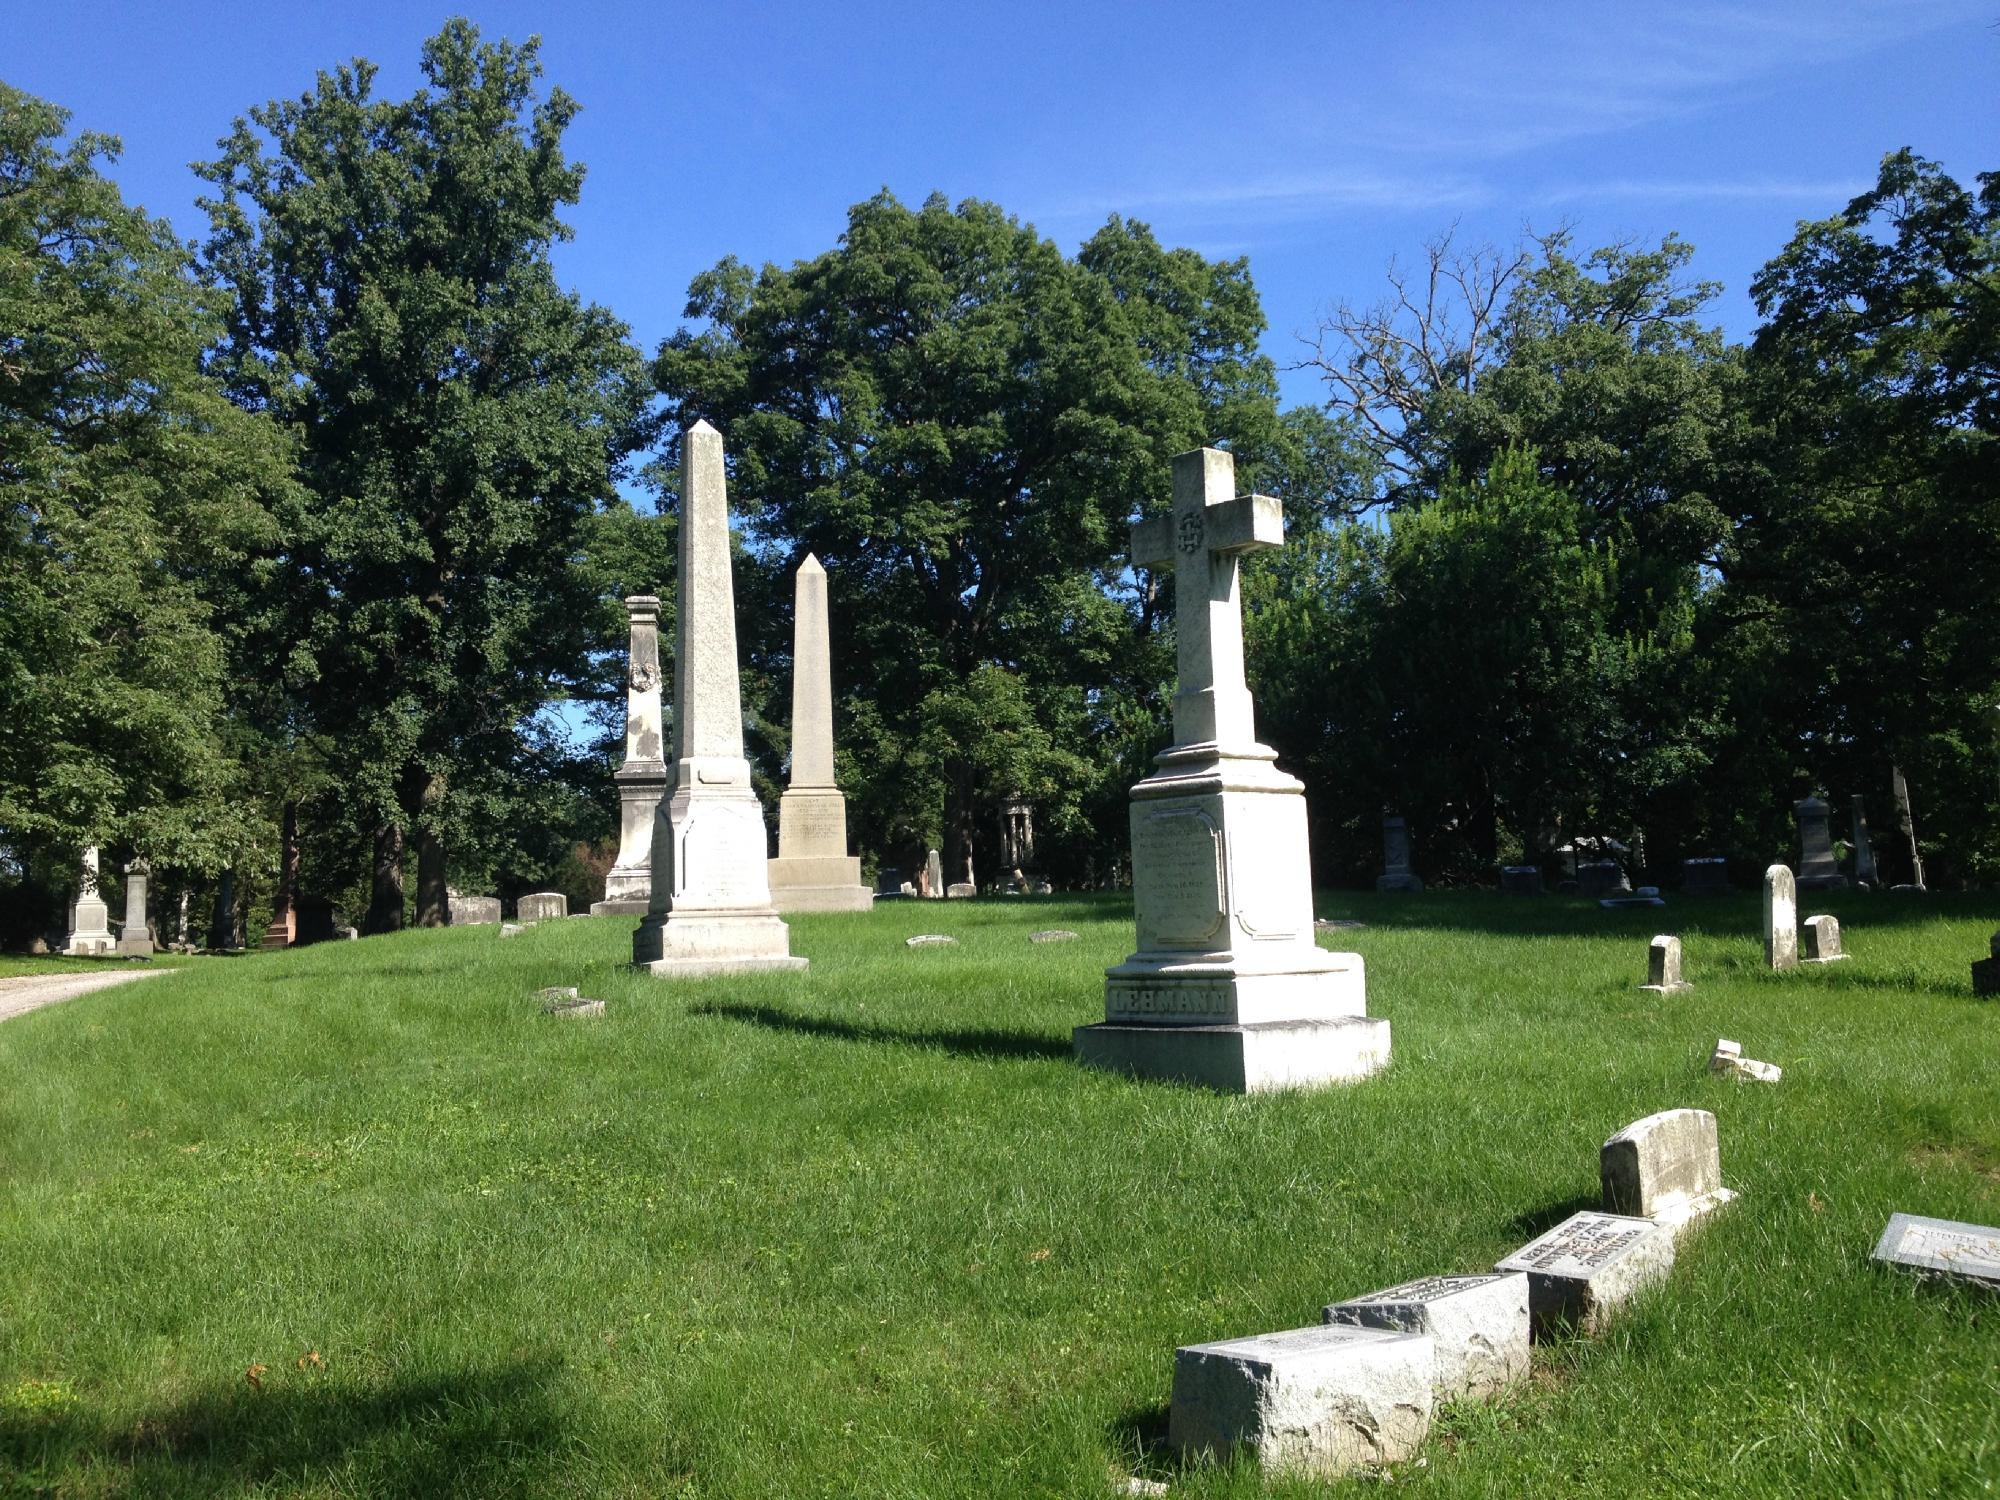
(1867, 560)
(131, 493)
(961, 421)
(461, 418)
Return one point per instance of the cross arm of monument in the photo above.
(1245, 524)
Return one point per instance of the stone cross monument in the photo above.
(711, 909)
(642, 780)
(813, 871)
(90, 921)
(136, 941)
(1227, 987)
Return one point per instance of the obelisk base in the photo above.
(819, 883)
(90, 931)
(135, 944)
(1253, 1059)
(695, 944)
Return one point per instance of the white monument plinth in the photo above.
(642, 780)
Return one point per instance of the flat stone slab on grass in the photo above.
(578, 1008)
(1945, 1247)
(1052, 935)
(1479, 1323)
(930, 940)
(1588, 1266)
(1319, 1401)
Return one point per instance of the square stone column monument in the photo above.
(813, 871)
(711, 909)
(1227, 987)
(642, 780)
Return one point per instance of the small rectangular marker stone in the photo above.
(1588, 1266)
(1320, 1401)
(1479, 1323)
(1946, 1247)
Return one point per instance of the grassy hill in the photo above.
(359, 1220)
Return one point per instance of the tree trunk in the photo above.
(958, 823)
(385, 905)
(433, 900)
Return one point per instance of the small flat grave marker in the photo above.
(1052, 935)
(1822, 940)
(1479, 1323)
(1588, 1266)
(1945, 1247)
(929, 939)
(1320, 1401)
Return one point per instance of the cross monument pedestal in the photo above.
(1227, 987)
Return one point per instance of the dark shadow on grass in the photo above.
(1737, 914)
(471, 1433)
(1539, 1221)
(1139, 1438)
(1016, 1044)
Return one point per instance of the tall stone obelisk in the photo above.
(642, 780)
(1228, 987)
(813, 871)
(711, 909)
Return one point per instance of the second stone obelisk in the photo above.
(711, 909)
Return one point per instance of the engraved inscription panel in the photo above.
(1975, 1253)
(721, 859)
(1587, 1243)
(1147, 1002)
(1424, 1289)
(1177, 876)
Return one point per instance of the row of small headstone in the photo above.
(1359, 1388)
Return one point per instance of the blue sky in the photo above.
(1318, 139)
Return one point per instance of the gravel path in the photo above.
(33, 991)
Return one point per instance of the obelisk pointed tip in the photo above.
(702, 428)
(811, 565)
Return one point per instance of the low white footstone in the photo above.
(929, 940)
(1946, 1247)
(1321, 1401)
(1589, 1265)
(1666, 1167)
(1479, 1323)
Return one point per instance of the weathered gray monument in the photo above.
(1396, 872)
(136, 941)
(1819, 870)
(813, 871)
(1227, 987)
(90, 919)
(642, 780)
(711, 909)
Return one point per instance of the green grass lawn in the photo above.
(868, 1231)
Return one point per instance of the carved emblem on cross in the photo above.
(1209, 528)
